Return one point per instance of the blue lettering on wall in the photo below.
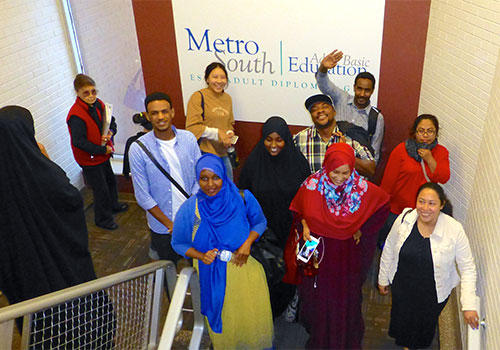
(198, 46)
(228, 45)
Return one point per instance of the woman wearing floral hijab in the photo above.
(234, 294)
(345, 212)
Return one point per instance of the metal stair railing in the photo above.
(187, 278)
(120, 311)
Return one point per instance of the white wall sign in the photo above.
(272, 49)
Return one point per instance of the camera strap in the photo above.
(164, 172)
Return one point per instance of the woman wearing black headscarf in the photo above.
(43, 235)
(274, 172)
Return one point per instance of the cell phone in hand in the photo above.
(308, 249)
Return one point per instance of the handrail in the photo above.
(187, 277)
(474, 335)
(45, 301)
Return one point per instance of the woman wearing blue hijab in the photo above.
(234, 295)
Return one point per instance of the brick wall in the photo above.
(461, 86)
(36, 72)
(483, 219)
(110, 53)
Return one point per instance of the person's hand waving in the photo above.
(331, 60)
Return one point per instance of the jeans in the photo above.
(229, 167)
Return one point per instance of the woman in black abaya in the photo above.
(274, 172)
(43, 234)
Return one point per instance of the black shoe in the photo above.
(121, 208)
(111, 226)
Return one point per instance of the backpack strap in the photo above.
(202, 106)
(372, 121)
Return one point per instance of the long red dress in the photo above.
(330, 306)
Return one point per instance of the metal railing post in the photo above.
(25, 339)
(187, 277)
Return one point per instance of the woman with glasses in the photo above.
(412, 163)
(92, 150)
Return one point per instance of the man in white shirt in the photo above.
(177, 152)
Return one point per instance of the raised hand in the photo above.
(425, 154)
(331, 59)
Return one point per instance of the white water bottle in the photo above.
(224, 255)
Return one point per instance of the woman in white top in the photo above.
(419, 259)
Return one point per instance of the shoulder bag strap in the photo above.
(164, 172)
(202, 106)
(197, 221)
(406, 212)
(425, 172)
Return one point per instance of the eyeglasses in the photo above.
(91, 92)
(429, 132)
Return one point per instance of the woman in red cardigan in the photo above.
(412, 163)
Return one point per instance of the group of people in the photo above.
(311, 185)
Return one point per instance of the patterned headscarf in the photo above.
(337, 211)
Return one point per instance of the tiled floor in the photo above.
(127, 247)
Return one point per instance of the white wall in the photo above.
(36, 73)
(36, 69)
(276, 63)
(483, 219)
(461, 86)
(110, 53)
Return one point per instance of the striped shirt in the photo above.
(348, 111)
(312, 146)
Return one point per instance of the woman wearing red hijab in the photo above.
(345, 212)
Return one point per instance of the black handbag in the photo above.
(267, 251)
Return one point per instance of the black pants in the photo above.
(102, 180)
(161, 244)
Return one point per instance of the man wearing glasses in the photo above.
(92, 150)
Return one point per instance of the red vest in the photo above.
(81, 110)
